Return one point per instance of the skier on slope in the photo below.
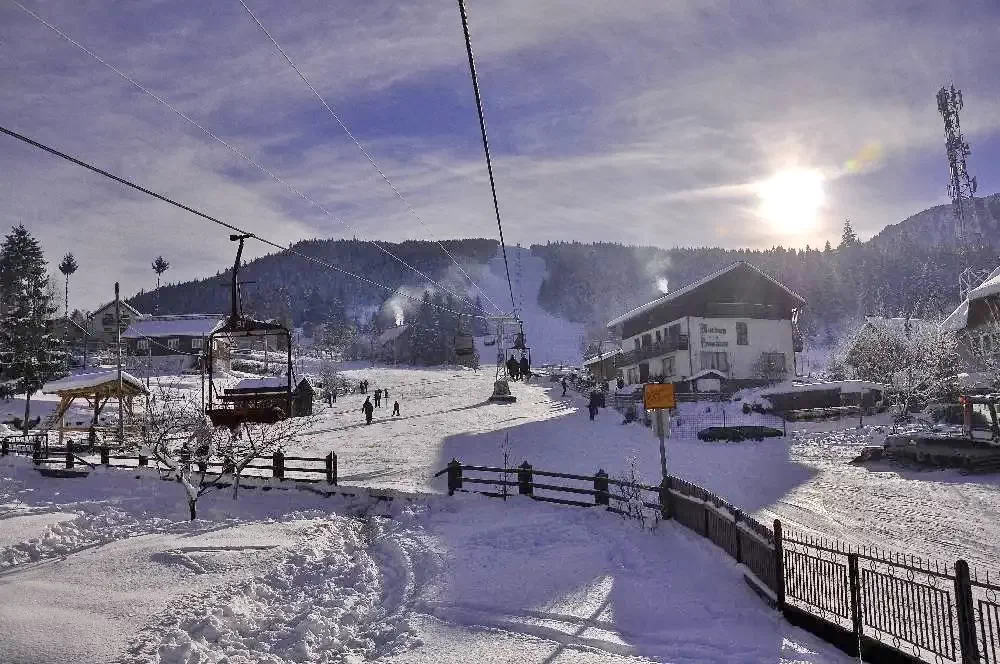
(367, 409)
(378, 398)
(395, 408)
(564, 385)
(525, 368)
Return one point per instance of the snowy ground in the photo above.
(806, 480)
(106, 569)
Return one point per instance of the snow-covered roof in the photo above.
(989, 287)
(603, 356)
(697, 284)
(265, 383)
(125, 305)
(194, 325)
(708, 373)
(958, 319)
(91, 379)
(842, 385)
(392, 334)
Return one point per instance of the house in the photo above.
(101, 323)
(176, 342)
(733, 328)
(976, 322)
(68, 330)
(605, 365)
(393, 345)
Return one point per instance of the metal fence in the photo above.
(883, 606)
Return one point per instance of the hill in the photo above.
(935, 227)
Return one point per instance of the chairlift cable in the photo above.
(486, 143)
(215, 220)
(237, 151)
(367, 154)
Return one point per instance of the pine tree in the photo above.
(827, 248)
(848, 237)
(36, 356)
(159, 267)
(68, 266)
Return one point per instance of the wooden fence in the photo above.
(884, 607)
(74, 457)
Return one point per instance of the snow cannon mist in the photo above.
(663, 285)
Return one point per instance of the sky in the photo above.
(681, 123)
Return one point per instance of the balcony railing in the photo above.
(653, 350)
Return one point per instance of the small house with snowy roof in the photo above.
(101, 322)
(976, 322)
(178, 341)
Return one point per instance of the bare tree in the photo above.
(630, 494)
(255, 440)
(176, 434)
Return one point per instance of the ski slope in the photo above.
(553, 340)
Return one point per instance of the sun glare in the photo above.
(791, 199)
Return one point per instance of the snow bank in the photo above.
(846, 386)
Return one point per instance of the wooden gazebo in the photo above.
(96, 388)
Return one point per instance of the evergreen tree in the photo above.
(159, 267)
(68, 266)
(827, 248)
(848, 237)
(36, 356)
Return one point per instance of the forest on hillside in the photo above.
(295, 290)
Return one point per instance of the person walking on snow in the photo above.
(595, 402)
(368, 409)
(378, 398)
(525, 368)
(395, 408)
(564, 385)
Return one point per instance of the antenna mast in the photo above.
(961, 186)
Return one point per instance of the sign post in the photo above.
(659, 397)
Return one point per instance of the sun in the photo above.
(791, 199)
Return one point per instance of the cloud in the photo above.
(646, 122)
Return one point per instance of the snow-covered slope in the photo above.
(552, 339)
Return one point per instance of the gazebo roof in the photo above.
(95, 382)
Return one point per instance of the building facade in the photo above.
(101, 323)
(178, 341)
(733, 328)
(976, 323)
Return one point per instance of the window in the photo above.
(668, 366)
(108, 320)
(658, 338)
(174, 344)
(742, 335)
(774, 362)
(636, 344)
(712, 360)
(142, 344)
(647, 340)
(196, 343)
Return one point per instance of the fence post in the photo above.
(601, 486)
(278, 465)
(784, 426)
(4, 447)
(779, 566)
(855, 577)
(454, 476)
(737, 516)
(331, 468)
(143, 460)
(105, 456)
(966, 614)
(36, 450)
(69, 453)
(666, 498)
(704, 514)
(524, 479)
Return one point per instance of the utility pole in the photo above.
(118, 337)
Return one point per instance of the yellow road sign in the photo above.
(658, 395)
